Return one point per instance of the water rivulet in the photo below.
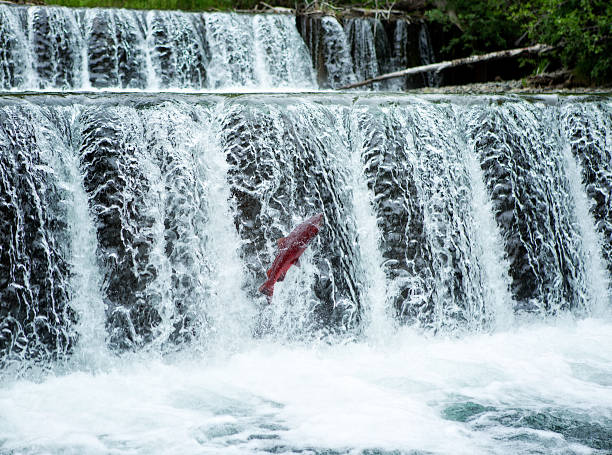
(138, 221)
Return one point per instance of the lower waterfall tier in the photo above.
(149, 220)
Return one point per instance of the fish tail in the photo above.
(267, 289)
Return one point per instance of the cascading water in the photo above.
(83, 49)
(457, 299)
(378, 48)
(55, 48)
(36, 318)
(362, 48)
(418, 171)
(329, 50)
(361, 35)
(407, 51)
(586, 126)
(146, 225)
(273, 190)
(536, 216)
(434, 79)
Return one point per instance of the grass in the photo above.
(186, 5)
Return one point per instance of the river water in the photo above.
(538, 388)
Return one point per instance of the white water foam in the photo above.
(233, 315)
(495, 265)
(87, 298)
(343, 397)
(598, 279)
(377, 315)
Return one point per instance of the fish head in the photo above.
(313, 224)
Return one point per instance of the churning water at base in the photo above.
(536, 389)
(446, 306)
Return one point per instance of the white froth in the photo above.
(342, 397)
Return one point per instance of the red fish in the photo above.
(290, 249)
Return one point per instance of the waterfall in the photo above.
(55, 48)
(426, 52)
(360, 34)
(135, 224)
(285, 165)
(536, 215)
(67, 49)
(329, 50)
(377, 48)
(37, 321)
(463, 257)
(586, 127)
(490, 245)
(459, 288)
(362, 48)
(586, 130)
(377, 313)
(406, 52)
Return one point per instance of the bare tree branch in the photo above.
(437, 67)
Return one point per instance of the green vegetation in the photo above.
(581, 30)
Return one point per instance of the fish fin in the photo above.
(282, 242)
(267, 289)
(282, 276)
(268, 272)
(297, 262)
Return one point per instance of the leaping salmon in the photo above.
(290, 249)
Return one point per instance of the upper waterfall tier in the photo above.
(68, 49)
(56, 48)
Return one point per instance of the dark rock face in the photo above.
(115, 57)
(525, 175)
(35, 318)
(118, 184)
(282, 170)
(57, 56)
(179, 53)
(391, 178)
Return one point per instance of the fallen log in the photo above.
(437, 67)
(276, 9)
(386, 13)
